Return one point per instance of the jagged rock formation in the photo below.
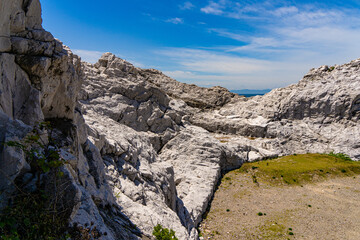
(193, 95)
(142, 148)
(201, 142)
(143, 135)
(39, 79)
(319, 114)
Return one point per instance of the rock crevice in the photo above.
(142, 149)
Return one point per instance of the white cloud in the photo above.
(285, 11)
(175, 20)
(195, 60)
(177, 74)
(225, 33)
(212, 68)
(87, 55)
(93, 56)
(284, 30)
(186, 6)
(280, 43)
(213, 8)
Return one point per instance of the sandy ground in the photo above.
(323, 210)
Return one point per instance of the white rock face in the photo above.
(40, 80)
(143, 149)
(198, 160)
(319, 114)
(241, 130)
(35, 75)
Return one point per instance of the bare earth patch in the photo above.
(246, 209)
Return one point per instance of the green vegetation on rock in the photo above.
(39, 210)
(161, 233)
(301, 168)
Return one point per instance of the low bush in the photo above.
(342, 156)
(161, 233)
(36, 212)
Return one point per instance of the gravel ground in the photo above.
(322, 210)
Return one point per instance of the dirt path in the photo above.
(324, 210)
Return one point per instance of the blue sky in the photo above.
(234, 44)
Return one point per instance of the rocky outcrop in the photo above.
(40, 77)
(142, 149)
(40, 80)
(319, 114)
(226, 136)
(194, 96)
(140, 131)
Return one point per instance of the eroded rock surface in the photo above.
(200, 142)
(319, 114)
(143, 135)
(143, 149)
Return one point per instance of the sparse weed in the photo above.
(342, 156)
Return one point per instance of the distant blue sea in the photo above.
(251, 95)
(251, 92)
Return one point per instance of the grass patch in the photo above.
(301, 168)
(273, 230)
(241, 193)
(276, 227)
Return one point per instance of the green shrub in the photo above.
(32, 216)
(37, 213)
(163, 233)
(254, 179)
(42, 156)
(342, 156)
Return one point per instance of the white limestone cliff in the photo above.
(143, 149)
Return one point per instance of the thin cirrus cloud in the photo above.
(214, 8)
(209, 68)
(186, 6)
(88, 55)
(175, 20)
(252, 44)
(283, 42)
